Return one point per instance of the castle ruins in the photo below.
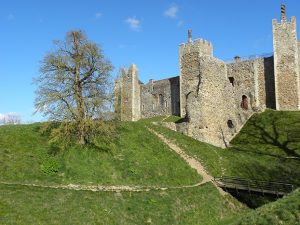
(216, 99)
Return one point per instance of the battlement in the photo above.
(283, 20)
(202, 46)
(277, 23)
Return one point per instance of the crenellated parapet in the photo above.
(200, 46)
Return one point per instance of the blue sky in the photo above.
(146, 33)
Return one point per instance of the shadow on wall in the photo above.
(175, 96)
(269, 82)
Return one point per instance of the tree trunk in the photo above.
(79, 96)
(82, 139)
(81, 114)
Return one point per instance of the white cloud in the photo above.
(133, 23)
(98, 15)
(172, 11)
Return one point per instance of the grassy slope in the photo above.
(26, 205)
(138, 158)
(256, 152)
(284, 211)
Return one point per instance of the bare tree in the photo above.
(75, 83)
(10, 118)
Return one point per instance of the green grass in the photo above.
(284, 211)
(200, 205)
(173, 119)
(138, 158)
(267, 134)
(260, 151)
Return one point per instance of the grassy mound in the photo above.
(137, 158)
(262, 150)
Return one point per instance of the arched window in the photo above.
(244, 103)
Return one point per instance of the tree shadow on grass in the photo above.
(270, 147)
(265, 168)
(262, 138)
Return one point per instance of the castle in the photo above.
(214, 98)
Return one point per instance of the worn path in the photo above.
(195, 164)
(95, 188)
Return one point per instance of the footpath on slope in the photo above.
(192, 162)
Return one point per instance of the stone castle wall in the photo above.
(216, 99)
(190, 52)
(160, 98)
(266, 83)
(136, 93)
(209, 102)
(127, 95)
(244, 76)
(299, 54)
(255, 80)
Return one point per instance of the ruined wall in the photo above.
(209, 100)
(255, 80)
(136, 93)
(216, 99)
(160, 98)
(244, 75)
(299, 61)
(286, 64)
(127, 95)
(266, 83)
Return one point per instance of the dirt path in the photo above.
(195, 164)
(103, 188)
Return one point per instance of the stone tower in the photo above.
(189, 55)
(286, 63)
(206, 95)
(128, 95)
